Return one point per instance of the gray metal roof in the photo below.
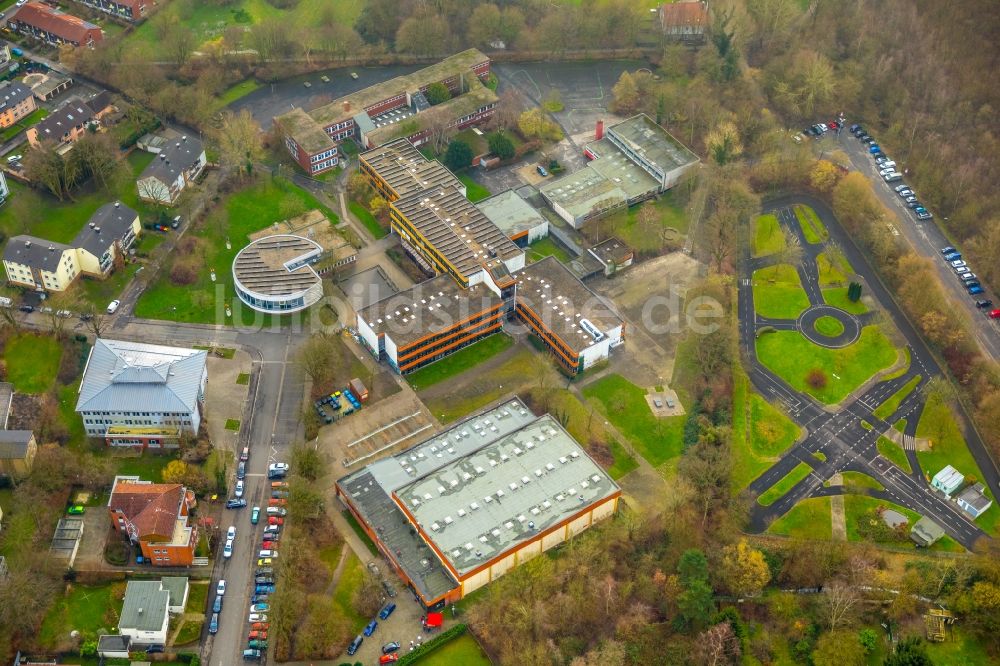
(145, 606)
(975, 496)
(133, 377)
(13, 93)
(175, 158)
(176, 586)
(35, 252)
(74, 113)
(14, 444)
(511, 213)
(109, 223)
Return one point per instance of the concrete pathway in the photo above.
(838, 518)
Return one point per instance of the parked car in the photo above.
(256, 634)
(968, 277)
(255, 515)
(217, 604)
(257, 644)
(76, 510)
(279, 494)
(268, 553)
(975, 291)
(26, 308)
(235, 503)
(270, 536)
(239, 488)
(905, 192)
(389, 589)
(276, 502)
(275, 520)
(264, 589)
(259, 598)
(388, 658)
(985, 303)
(278, 467)
(370, 628)
(390, 647)
(958, 263)
(276, 511)
(252, 655)
(260, 626)
(241, 470)
(264, 571)
(541, 171)
(263, 579)
(113, 306)
(387, 610)
(961, 270)
(924, 215)
(213, 624)
(355, 644)
(913, 204)
(245, 455)
(257, 617)
(227, 550)
(260, 608)
(278, 484)
(952, 256)
(995, 314)
(947, 250)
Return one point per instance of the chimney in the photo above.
(347, 107)
(599, 130)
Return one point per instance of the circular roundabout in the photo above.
(827, 326)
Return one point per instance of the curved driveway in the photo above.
(837, 432)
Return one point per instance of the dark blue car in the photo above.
(387, 611)
(370, 629)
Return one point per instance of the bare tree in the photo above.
(240, 141)
(96, 320)
(838, 603)
(717, 646)
(509, 107)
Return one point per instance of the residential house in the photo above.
(684, 21)
(147, 608)
(177, 165)
(63, 126)
(130, 10)
(925, 532)
(44, 265)
(17, 452)
(974, 500)
(155, 517)
(55, 27)
(948, 480)
(142, 396)
(7, 64)
(16, 102)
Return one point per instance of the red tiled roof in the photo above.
(66, 26)
(151, 507)
(687, 13)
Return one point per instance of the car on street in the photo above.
(260, 608)
(958, 263)
(220, 589)
(388, 658)
(370, 628)
(355, 644)
(387, 610)
(265, 561)
(256, 634)
(113, 306)
(255, 515)
(241, 470)
(235, 503)
(245, 455)
(239, 488)
(389, 589)
(252, 655)
(258, 617)
(975, 291)
(260, 626)
(390, 647)
(924, 215)
(984, 303)
(213, 624)
(76, 510)
(231, 532)
(995, 314)
(227, 550)
(217, 604)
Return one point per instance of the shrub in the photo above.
(183, 273)
(433, 644)
(816, 379)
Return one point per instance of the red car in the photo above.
(833, 125)
(275, 520)
(388, 658)
(995, 314)
(277, 502)
(260, 626)
(257, 636)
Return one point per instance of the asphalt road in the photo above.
(838, 434)
(926, 239)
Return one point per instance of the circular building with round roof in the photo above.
(274, 273)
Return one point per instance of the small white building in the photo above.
(516, 217)
(136, 387)
(148, 606)
(177, 165)
(948, 480)
(974, 500)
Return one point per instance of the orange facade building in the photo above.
(155, 517)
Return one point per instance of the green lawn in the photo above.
(479, 144)
(624, 405)
(886, 409)
(624, 463)
(948, 447)
(351, 577)
(367, 219)
(259, 204)
(894, 453)
(625, 225)
(812, 227)
(83, 608)
(547, 247)
(463, 650)
(459, 362)
(237, 91)
(829, 326)
(809, 519)
(833, 269)
(197, 597)
(494, 385)
(232, 424)
(473, 190)
(787, 482)
(856, 506)
(148, 466)
(778, 293)
(359, 531)
(31, 119)
(208, 21)
(189, 632)
(837, 297)
(791, 356)
(859, 480)
(961, 649)
(32, 362)
(243, 378)
(767, 236)
(761, 433)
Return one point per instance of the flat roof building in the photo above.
(397, 169)
(974, 500)
(515, 217)
(636, 159)
(948, 480)
(274, 273)
(390, 110)
(459, 510)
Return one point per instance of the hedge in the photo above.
(433, 644)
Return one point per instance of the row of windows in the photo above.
(134, 414)
(21, 109)
(564, 353)
(322, 156)
(466, 343)
(165, 421)
(324, 165)
(444, 337)
(289, 304)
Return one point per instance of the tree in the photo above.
(838, 648)
(272, 38)
(695, 604)
(717, 645)
(839, 603)
(535, 124)
(501, 146)
(509, 106)
(179, 41)
(320, 358)
(437, 93)
(423, 34)
(175, 471)
(792, 251)
(240, 142)
(625, 96)
(824, 176)
(359, 187)
(909, 652)
(724, 143)
(744, 570)
(44, 165)
(458, 156)
(693, 565)
(99, 156)
(307, 462)
(648, 219)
